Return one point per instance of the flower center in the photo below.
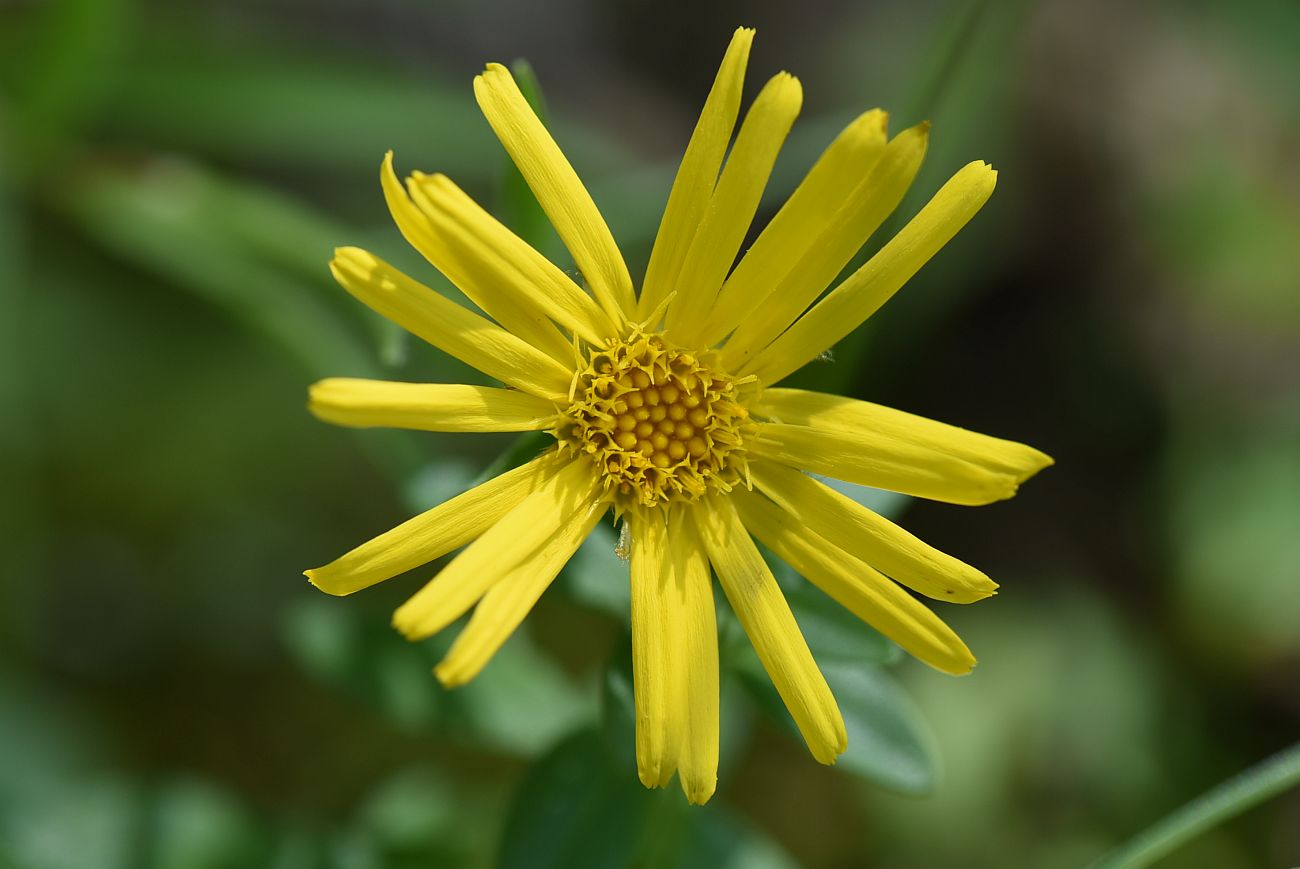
(659, 423)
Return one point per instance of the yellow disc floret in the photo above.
(659, 422)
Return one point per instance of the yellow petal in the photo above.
(860, 589)
(822, 410)
(674, 654)
(732, 207)
(557, 188)
(848, 229)
(758, 603)
(853, 301)
(465, 267)
(428, 406)
(804, 221)
(659, 664)
(433, 533)
(448, 326)
(562, 499)
(697, 176)
(698, 764)
(507, 260)
(871, 458)
(870, 537)
(509, 601)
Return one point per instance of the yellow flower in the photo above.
(665, 409)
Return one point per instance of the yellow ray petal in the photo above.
(870, 537)
(561, 500)
(557, 188)
(698, 764)
(870, 458)
(509, 601)
(821, 410)
(731, 209)
(433, 533)
(697, 176)
(659, 663)
(863, 591)
(428, 406)
(466, 267)
(805, 220)
(508, 259)
(848, 229)
(448, 326)
(758, 603)
(845, 307)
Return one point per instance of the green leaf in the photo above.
(618, 707)
(597, 577)
(575, 808)
(886, 503)
(579, 807)
(171, 220)
(522, 703)
(1273, 776)
(835, 634)
(889, 743)
(832, 632)
(719, 839)
(341, 645)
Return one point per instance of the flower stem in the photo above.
(1239, 793)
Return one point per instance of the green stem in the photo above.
(1234, 796)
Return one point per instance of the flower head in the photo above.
(665, 408)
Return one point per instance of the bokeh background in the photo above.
(174, 694)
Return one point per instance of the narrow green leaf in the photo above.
(1277, 774)
(163, 220)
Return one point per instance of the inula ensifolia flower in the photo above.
(665, 408)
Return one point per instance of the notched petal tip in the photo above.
(315, 577)
(962, 667)
(653, 774)
(699, 792)
(494, 75)
(407, 625)
(450, 677)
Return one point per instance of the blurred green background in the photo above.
(173, 694)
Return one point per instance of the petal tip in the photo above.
(699, 792)
(448, 677)
(315, 578)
